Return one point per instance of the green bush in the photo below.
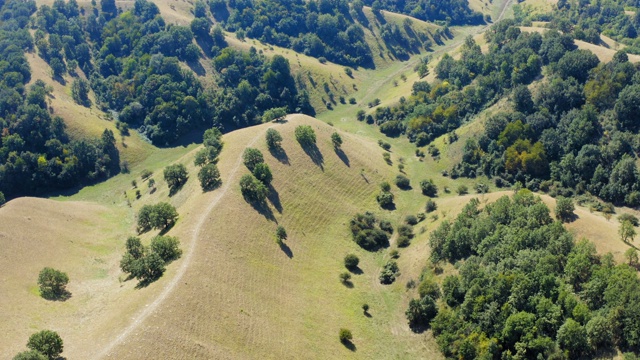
(167, 247)
(628, 217)
(462, 190)
(403, 182)
(385, 199)
(365, 232)
(30, 355)
(428, 188)
(351, 261)
(52, 283)
(421, 312)
(385, 225)
(431, 206)
(403, 241)
(46, 342)
(345, 277)
(252, 157)
(345, 335)
(2, 199)
(281, 234)
(305, 135)
(336, 139)
(389, 272)
(252, 189)
(411, 219)
(175, 176)
(262, 172)
(274, 139)
(209, 177)
(564, 208)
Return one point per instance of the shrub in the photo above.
(30, 355)
(352, 101)
(481, 188)
(345, 277)
(387, 158)
(351, 261)
(336, 140)
(263, 173)
(348, 71)
(428, 287)
(628, 217)
(564, 208)
(431, 206)
(385, 225)
(345, 335)
(305, 135)
(403, 182)
(411, 219)
(252, 189)
(403, 241)
(274, 139)
(365, 308)
(462, 190)
(421, 217)
(385, 145)
(421, 312)
(209, 177)
(146, 174)
(46, 342)
(175, 176)
(385, 199)
(281, 234)
(274, 114)
(148, 264)
(252, 157)
(405, 230)
(52, 283)
(428, 188)
(384, 186)
(389, 272)
(366, 234)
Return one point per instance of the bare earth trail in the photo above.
(149, 309)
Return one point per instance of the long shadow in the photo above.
(64, 295)
(356, 270)
(263, 208)
(274, 198)
(174, 190)
(348, 284)
(343, 156)
(196, 67)
(315, 155)
(286, 249)
(280, 155)
(349, 345)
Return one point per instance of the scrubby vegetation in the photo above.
(148, 263)
(454, 12)
(367, 232)
(52, 284)
(160, 216)
(523, 286)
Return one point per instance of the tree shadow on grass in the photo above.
(63, 295)
(274, 198)
(280, 155)
(174, 190)
(343, 156)
(286, 249)
(315, 155)
(212, 187)
(348, 284)
(355, 270)
(263, 208)
(349, 345)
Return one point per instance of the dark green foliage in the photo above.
(263, 173)
(345, 278)
(336, 140)
(345, 336)
(252, 157)
(628, 217)
(411, 219)
(273, 139)
(324, 30)
(421, 312)
(564, 208)
(351, 261)
(366, 233)
(385, 200)
(175, 175)
(2, 199)
(46, 342)
(209, 177)
(429, 188)
(30, 355)
(389, 272)
(281, 234)
(403, 182)
(305, 135)
(431, 206)
(80, 92)
(455, 12)
(52, 283)
(148, 263)
(253, 190)
(523, 283)
(160, 216)
(385, 225)
(577, 64)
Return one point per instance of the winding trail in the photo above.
(149, 309)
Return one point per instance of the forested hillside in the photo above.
(454, 12)
(36, 153)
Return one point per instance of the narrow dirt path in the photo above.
(148, 310)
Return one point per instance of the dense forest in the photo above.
(451, 12)
(35, 153)
(523, 289)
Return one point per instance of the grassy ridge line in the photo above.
(186, 261)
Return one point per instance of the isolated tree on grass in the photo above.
(428, 188)
(209, 177)
(627, 231)
(564, 209)
(336, 139)
(252, 157)
(175, 176)
(305, 135)
(281, 234)
(274, 139)
(345, 336)
(52, 283)
(351, 261)
(632, 256)
(46, 342)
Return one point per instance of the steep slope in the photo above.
(245, 297)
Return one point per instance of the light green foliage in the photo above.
(345, 335)
(209, 177)
(564, 208)
(253, 190)
(351, 261)
(274, 139)
(159, 216)
(281, 234)
(573, 337)
(305, 135)
(345, 277)
(462, 190)
(627, 231)
(46, 342)
(389, 272)
(632, 256)
(52, 283)
(252, 157)
(336, 139)
(30, 355)
(274, 114)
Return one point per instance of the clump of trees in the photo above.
(207, 158)
(160, 216)
(429, 188)
(53, 283)
(253, 190)
(389, 272)
(524, 286)
(274, 139)
(367, 232)
(43, 345)
(385, 196)
(148, 263)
